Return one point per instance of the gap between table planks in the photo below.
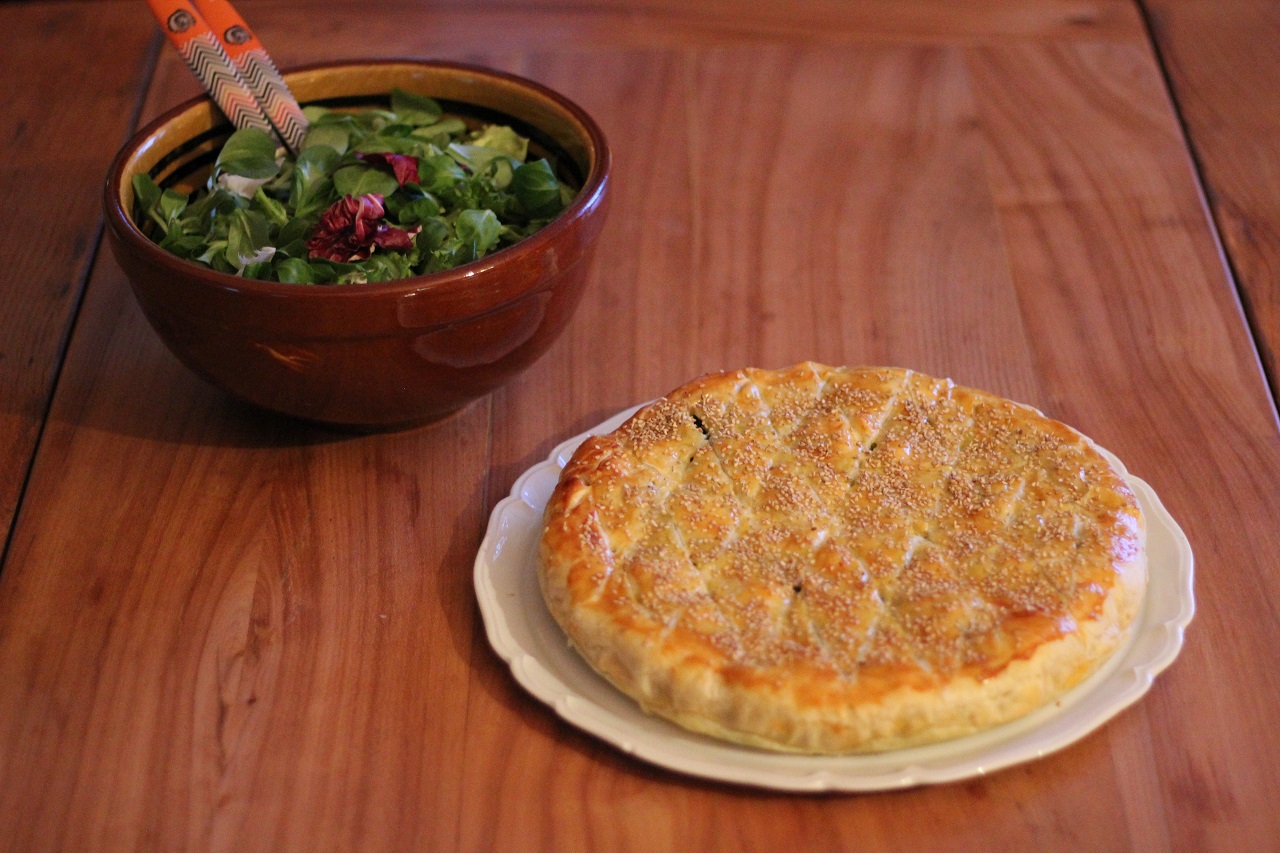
(53, 211)
(1222, 58)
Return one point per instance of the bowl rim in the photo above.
(588, 199)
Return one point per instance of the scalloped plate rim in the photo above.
(675, 749)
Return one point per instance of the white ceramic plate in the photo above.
(523, 633)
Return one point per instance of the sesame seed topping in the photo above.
(857, 518)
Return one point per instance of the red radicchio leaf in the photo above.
(403, 166)
(390, 237)
(352, 226)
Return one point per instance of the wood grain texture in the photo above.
(817, 20)
(221, 630)
(52, 212)
(1223, 62)
(253, 626)
(477, 31)
(1133, 326)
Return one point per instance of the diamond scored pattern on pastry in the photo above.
(800, 499)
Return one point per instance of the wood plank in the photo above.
(1223, 62)
(821, 235)
(460, 28)
(222, 630)
(53, 208)
(1134, 245)
(1139, 341)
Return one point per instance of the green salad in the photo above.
(374, 195)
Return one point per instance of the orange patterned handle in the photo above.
(257, 70)
(203, 53)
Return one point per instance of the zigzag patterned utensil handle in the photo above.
(204, 52)
(257, 70)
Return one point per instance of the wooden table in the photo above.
(223, 630)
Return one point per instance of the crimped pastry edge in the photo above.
(701, 701)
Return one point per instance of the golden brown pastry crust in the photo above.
(834, 560)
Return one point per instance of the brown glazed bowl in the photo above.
(375, 355)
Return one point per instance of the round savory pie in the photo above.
(835, 560)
